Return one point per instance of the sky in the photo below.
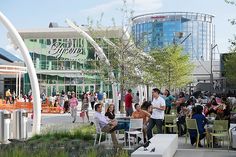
(39, 13)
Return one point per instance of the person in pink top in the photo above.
(73, 106)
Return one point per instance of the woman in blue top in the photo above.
(169, 99)
(201, 122)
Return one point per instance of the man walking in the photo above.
(128, 103)
(158, 109)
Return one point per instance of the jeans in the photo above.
(151, 124)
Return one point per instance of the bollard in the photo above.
(5, 118)
(20, 124)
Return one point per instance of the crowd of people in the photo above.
(183, 106)
(153, 112)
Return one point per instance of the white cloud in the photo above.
(98, 9)
(144, 6)
(139, 6)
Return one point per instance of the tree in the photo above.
(229, 66)
(126, 60)
(230, 59)
(172, 69)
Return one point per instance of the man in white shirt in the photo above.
(157, 117)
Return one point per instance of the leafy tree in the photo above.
(172, 69)
(229, 65)
(230, 59)
(126, 60)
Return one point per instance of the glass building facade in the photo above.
(194, 31)
(65, 61)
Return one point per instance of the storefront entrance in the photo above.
(79, 89)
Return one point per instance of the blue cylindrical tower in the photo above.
(194, 31)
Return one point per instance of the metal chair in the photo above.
(99, 133)
(220, 130)
(170, 122)
(192, 125)
(136, 128)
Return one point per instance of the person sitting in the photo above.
(179, 101)
(107, 125)
(181, 123)
(139, 113)
(201, 122)
(147, 106)
(110, 113)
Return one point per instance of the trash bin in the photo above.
(5, 118)
(20, 118)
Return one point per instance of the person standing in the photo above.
(92, 99)
(157, 117)
(128, 103)
(13, 97)
(104, 96)
(136, 98)
(62, 98)
(73, 105)
(169, 100)
(85, 105)
(8, 96)
(100, 97)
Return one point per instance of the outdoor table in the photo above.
(123, 120)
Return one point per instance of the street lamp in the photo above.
(211, 74)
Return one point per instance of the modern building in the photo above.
(194, 31)
(11, 72)
(64, 60)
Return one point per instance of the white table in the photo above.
(165, 146)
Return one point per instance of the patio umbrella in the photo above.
(196, 94)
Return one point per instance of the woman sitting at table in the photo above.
(211, 107)
(201, 122)
(110, 113)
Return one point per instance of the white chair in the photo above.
(136, 128)
(99, 133)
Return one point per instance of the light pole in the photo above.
(211, 68)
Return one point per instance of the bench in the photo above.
(165, 146)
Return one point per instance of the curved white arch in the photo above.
(101, 55)
(31, 70)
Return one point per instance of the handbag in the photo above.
(82, 114)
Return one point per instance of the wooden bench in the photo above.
(165, 146)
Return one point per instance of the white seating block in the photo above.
(165, 146)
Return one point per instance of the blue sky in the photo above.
(38, 13)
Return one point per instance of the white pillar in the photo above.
(17, 84)
(31, 70)
(101, 87)
(19, 94)
(145, 92)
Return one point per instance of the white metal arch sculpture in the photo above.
(31, 70)
(101, 55)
